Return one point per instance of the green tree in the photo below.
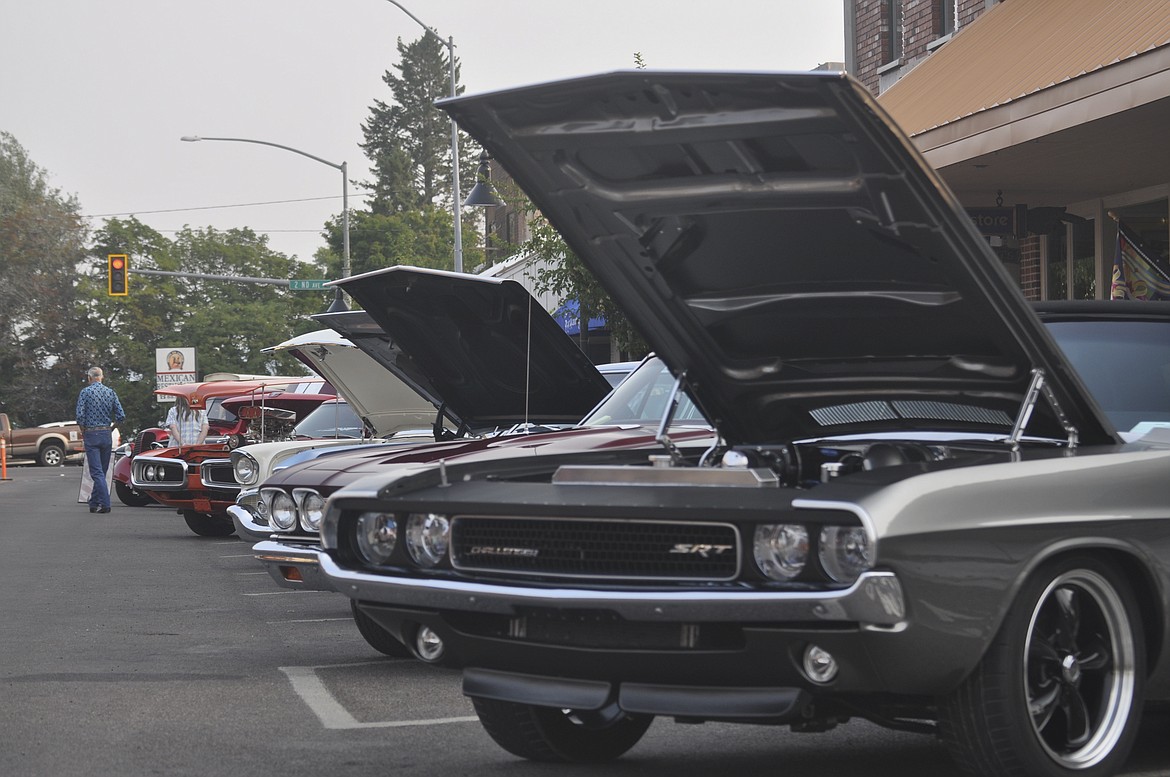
(42, 241)
(421, 238)
(228, 322)
(408, 142)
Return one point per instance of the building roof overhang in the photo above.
(1046, 123)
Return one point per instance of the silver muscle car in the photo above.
(916, 513)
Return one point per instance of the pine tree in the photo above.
(408, 140)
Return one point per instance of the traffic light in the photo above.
(119, 274)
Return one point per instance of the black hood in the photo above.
(483, 347)
(777, 239)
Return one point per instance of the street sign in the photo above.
(306, 284)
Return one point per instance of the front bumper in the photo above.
(291, 564)
(247, 525)
(875, 601)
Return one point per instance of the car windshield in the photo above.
(641, 399)
(330, 419)
(217, 412)
(1124, 364)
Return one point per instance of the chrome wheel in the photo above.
(1079, 669)
(1059, 691)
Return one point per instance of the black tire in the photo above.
(376, 636)
(209, 525)
(51, 454)
(129, 497)
(1060, 690)
(560, 736)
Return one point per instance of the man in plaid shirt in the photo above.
(98, 411)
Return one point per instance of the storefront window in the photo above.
(1071, 251)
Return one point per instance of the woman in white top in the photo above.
(186, 426)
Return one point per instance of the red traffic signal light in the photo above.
(119, 267)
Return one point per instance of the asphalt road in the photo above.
(129, 646)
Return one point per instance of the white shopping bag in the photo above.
(87, 481)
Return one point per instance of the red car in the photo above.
(244, 411)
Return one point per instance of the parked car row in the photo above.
(860, 478)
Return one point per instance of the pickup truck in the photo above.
(49, 443)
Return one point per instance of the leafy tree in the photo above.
(42, 240)
(228, 322)
(561, 272)
(420, 238)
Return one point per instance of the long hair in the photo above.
(183, 410)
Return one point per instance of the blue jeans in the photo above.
(99, 445)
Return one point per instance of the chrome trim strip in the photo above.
(246, 525)
(219, 485)
(304, 558)
(875, 601)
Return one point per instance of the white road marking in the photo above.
(252, 573)
(329, 711)
(278, 593)
(308, 620)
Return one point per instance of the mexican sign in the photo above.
(173, 366)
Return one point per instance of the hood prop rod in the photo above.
(1037, 387)
(662, 437)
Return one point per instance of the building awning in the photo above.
(568, 316)
(1089, 81)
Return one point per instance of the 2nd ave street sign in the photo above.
(305, 284)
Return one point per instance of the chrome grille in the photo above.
(218, 473)
(596, 548)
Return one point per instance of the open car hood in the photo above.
(367, 370)
(198, 394)
(775, 237)
(486, 346)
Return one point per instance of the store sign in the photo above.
(1005, 221)
(172, 367)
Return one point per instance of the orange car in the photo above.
(239, 412)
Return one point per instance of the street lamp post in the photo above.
(455, 199)
(345, 265)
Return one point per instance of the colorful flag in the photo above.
(1134, 275)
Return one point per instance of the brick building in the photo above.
(1047, 118)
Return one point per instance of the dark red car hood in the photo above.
(334, 470)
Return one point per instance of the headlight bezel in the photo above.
(428, 538)
(241, 460)
(786, 562)
(304, 498)
(281, 509)
(376, 536)
(845, 552)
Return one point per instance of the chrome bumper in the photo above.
(875, 601)
(293, 566)
(246, 525)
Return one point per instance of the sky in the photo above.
(98, 92)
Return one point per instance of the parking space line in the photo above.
(332, 715)
(279, 593)
(308, 620)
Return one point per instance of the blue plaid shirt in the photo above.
(98, 405)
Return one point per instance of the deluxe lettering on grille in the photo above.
(593, 548)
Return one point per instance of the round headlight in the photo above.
(245, 469)
(312, 509)
(377, 534)
(282, 510)
(427, 536)
(148, 472)
(781, 550)
(845, 552)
